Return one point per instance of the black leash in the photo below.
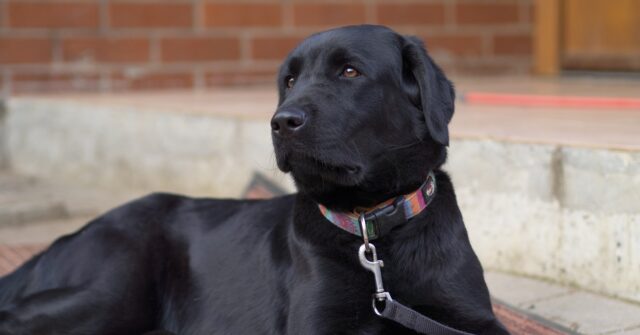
(394, 310)
(411, 319)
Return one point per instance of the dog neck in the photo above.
(382, 218)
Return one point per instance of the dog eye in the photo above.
(289, 81)
(350, 72)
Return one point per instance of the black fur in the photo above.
(169, 264)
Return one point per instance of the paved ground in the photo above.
(30, 204)
(575, 310)
(62, 209)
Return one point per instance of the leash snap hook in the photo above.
(374, 265)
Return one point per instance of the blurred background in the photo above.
(102, 101)
(123, 45)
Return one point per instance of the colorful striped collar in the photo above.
(384, 217)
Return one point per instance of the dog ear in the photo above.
(436, 91)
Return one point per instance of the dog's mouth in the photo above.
(326, 166)
(301, 165)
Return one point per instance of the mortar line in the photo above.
(370, 12)
(449, 15)
(105, 81)
(155, 53)
(104, 16)
(199, 80)
(551, 297)
(57, 57)
(557, 175)
(487, 43)
(524, 14)
(286, 8)
(4, 92)
(4, 20)
(197, 12)
(245, 48)
(8, 83)
(626, 329)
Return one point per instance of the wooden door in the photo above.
(600, 35)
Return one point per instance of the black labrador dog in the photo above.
(362, 118)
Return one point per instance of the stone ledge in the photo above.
(551, 210)
(571, 215)
(598, 180)
(128, 147)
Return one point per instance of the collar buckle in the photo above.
(384, 219)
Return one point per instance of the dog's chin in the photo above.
(307, 171)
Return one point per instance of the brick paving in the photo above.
(522, 324)
(11, 256)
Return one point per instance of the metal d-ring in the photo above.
(365, 235)
(385, 296)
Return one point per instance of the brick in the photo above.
(147, 81)
(241, 77)
(46, 14)
(243, 15)
(106, 50)
(15, 50)
(410, 14)
(273, 48)
(512, 44)
(486, 13)
(3, 10)
(199, 49)
(459, 45)
(326, 14)
(151, 15)
(54, 82)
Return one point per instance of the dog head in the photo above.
(362, 116)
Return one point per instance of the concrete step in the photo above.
(32, 211)
(545, 192)
(29, 200)
(40, 233)
(25, 200)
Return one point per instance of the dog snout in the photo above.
(288, 122)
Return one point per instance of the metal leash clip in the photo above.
(374, 265)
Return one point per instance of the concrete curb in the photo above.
(563, 213)
(571, 215)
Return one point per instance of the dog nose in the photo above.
(287, 122)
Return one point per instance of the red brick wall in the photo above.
(48, 45)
